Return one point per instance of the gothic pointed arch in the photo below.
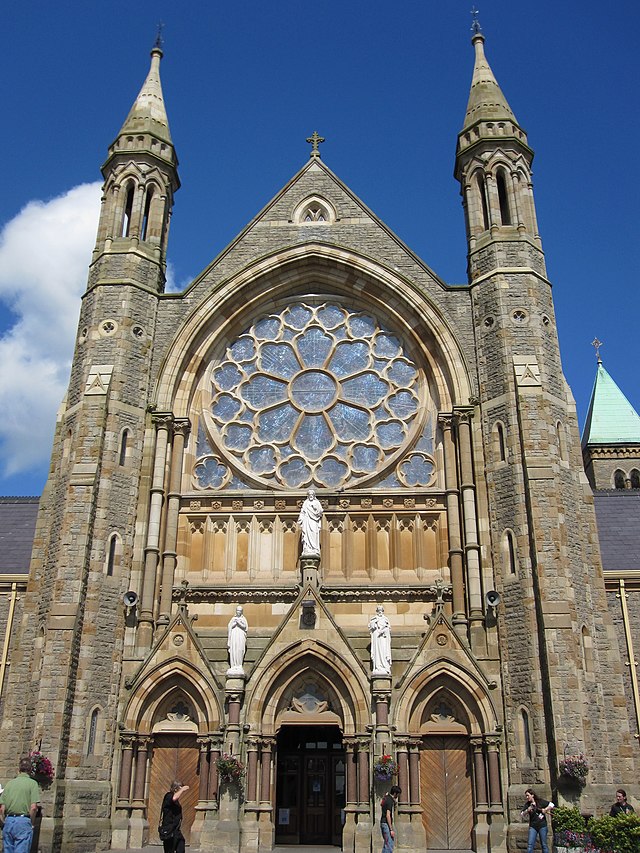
(443, 683)
(309, 685)
(173, 682)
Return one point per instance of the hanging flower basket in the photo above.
(575, 768)
(41, 767)
(229, 768)
(385, 768)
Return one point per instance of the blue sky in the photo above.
(245, 84)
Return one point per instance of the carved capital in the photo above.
(350, 744)
(253, 743)
(162, 420)
(401, 744)
(364, 744)
(267, 744)
(144, 742)
(127, 739)
(493, 742)
(445, 419)
(182, 426)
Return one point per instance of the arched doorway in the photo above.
(310, 785)
(446, 792)
(175, 757)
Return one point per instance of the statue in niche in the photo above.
(380, 631)
(237, 642)
(309, 520)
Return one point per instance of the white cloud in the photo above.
(44, 257)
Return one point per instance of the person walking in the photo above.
(18, 806)
(170, 819)
(387, 805)
(621, 806)
(537, 809)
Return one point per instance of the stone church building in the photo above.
(435, 426)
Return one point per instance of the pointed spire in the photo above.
(486, 101)
(611, 418)
(148, 113)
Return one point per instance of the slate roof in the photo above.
(17, 528)
(618, 517)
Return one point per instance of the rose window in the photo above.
(312, 395)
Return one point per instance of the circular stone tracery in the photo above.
(314, 394)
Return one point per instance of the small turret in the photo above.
(493, 165)
(140, 179)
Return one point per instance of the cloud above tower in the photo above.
(44, 254)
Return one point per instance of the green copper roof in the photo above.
(611, 418)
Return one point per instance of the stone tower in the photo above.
(557, 640)
(435, 427)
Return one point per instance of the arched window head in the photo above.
(525, 735)
(145, 216)
(500, 443)
(113, 555)
(93, 728)
(562, 441)
(618, 479)
(127, 211)
(587, 650)
(503, 197)
(314, 211)
(634, 476)
(124, 447)
(509, 553)
(482, 192)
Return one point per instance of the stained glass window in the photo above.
(315, 395)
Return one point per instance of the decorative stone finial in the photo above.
(314, 140)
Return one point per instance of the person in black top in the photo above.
(536, 809)
(171, 818)
(387, 805)
(621, 806)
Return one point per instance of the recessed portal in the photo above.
(310, 786)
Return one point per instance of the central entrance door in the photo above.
(175, 757)
(310, 785)
(446, 793)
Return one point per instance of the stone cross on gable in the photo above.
(314, 140)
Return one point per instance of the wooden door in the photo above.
(174, 757)
(316, 828)
(446, 793)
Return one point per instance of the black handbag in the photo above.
(165, 832)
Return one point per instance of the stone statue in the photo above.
(309, 520)
(380, 631)
(237, 642)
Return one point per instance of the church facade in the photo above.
(445, 605)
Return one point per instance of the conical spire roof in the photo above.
(148, 113)
(611, 418)
(486, 101)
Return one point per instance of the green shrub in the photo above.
(620, 834)
(564, 819)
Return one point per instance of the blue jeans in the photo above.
(17, 834)
(542, 832)
(387, 847)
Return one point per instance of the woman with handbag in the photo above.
(536, 809)
(171, 818)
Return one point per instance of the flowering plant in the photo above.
(229, 768)
(41, 767)
(575, 767)
(384, 768)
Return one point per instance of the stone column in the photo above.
(453, 526)
(481, 826)
(169, 556)
(381, 692)
(234, 694)
(413, 835)
(144, 745)
(127, 740)
(162, 422)
(364, 826)
(351, 807)
(252, 770)
(402, 757)
(212, 786)
(266, 827)
(477, 744)
(493, 758)
(414, 772)
(471, 543)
